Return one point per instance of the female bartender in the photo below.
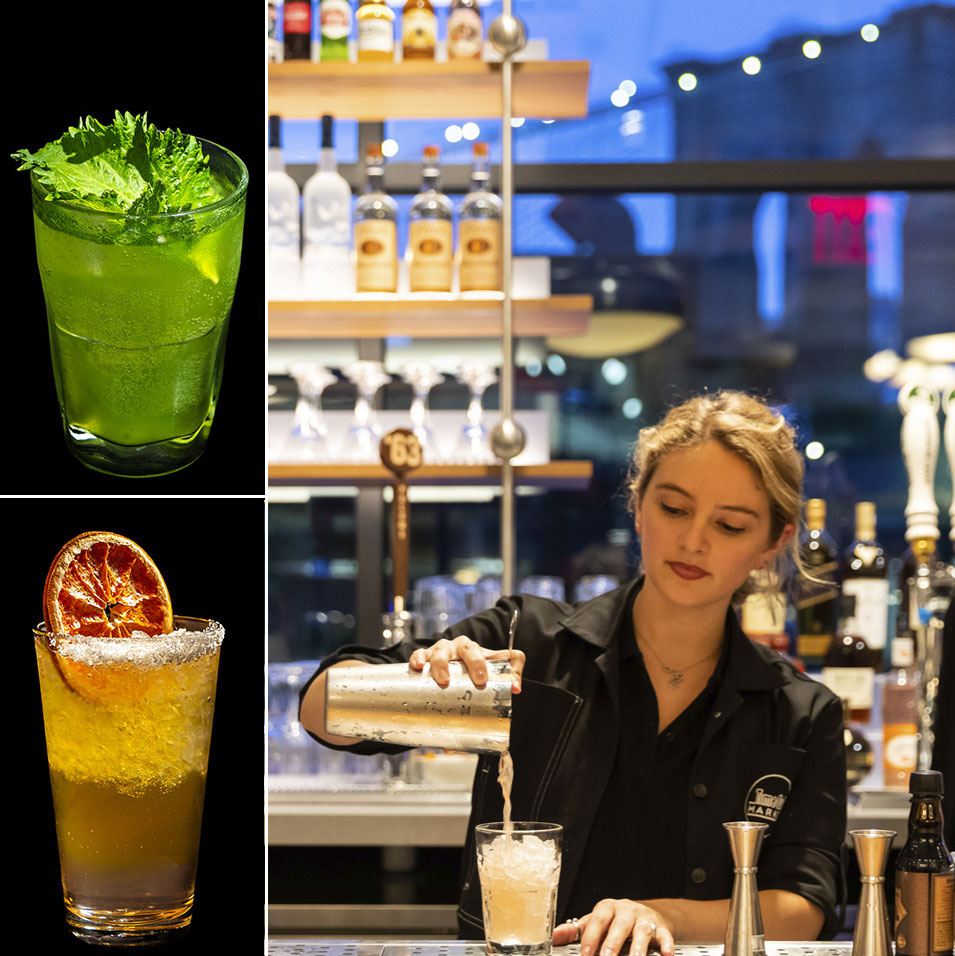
(646, 718)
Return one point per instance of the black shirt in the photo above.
(771, 749)
(643, 810)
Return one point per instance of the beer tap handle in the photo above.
(920, 438)
(400, 452)
(948, 404)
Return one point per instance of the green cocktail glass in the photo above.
(138, 308)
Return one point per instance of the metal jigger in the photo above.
(872, 936)
(744, 926)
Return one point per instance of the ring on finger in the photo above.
(576, 923)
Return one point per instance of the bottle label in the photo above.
(479, 244)
(465, 34)
(812, 645)
(871, 608)
(853, 684)
(376, 34)
(335, 16)
(431, 266)
(419, 30)
(297, 17)
(923, 913)
(376, 256)
(899, 752)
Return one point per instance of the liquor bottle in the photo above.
(899, 720)
(272, 28)
(849, 667)
(326, 225)
(429, 231)
(335, 24)
(419, 30)
(924, 875)
(479, 229)
(297, 29)
(859, 759)
(763, 618)
(376, 233)
(376, 31)
(865, 577)
(817, 603)
(465, 30)
(284, 227)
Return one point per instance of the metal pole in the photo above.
(507, 35)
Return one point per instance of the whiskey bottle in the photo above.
(817, 605)
(419, 30)
(429, 231)
(375, 22)
(849, 667)
(924, 875)
(376, 234)
(326, 224)
(479, 230)
(899, 720)
(335, 24)
(864, 577)
(465, 30)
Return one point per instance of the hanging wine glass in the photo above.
(365, 432)
(308, 440)
(422, 377)
(473, 445)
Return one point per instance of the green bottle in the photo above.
(335, 23)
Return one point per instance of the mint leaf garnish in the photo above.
(129, 166)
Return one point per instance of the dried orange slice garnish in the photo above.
(103, 585)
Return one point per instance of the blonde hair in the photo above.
(750, 429)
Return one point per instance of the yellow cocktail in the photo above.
(128, 723)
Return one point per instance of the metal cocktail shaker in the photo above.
(394, 704)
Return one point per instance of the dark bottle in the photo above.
(865, 577)
(850, 665)
(297, 29)
(817, 606)
(924, 875)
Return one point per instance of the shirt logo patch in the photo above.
(766, 797)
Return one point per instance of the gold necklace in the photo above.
(674, 676)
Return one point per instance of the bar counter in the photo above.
(382, 947)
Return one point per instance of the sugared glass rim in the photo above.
(207, 628)
(237, 193)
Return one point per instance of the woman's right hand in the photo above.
(472, 655)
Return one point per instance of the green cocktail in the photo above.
(138, 303)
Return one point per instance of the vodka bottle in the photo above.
(376, 234)
(429, 232)
(284, 229)
(326, 220)
(479, 229)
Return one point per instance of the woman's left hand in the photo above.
(604, 931)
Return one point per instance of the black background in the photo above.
(198, 67)
(210, 553)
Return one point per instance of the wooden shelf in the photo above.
(556, 474)
(450, 317)
(426, 89)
